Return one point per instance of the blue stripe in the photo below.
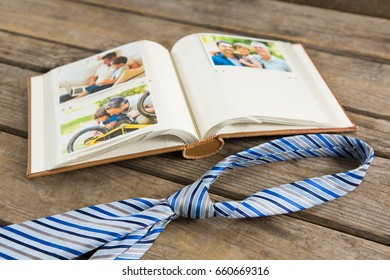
(288, 143)
(299, 154)
(336, 152)
(220, 211)
(241, 156)
(157, 230)
(47, 243)
(325, 141)
(285, 199)
(209, 177)
(275, 157)
(82, 227)
(32, 247)
(347, 140)
(146, 241)
(132, 237)
(144, 201)
(254, 153)
(353, 175)
(4, 256)
(361, 147)
(131, 205)
(175, 198)
(312, 141)
(242, 213)
(102, 211)
(346, 151)
(311, 153)
(277, 146)
(274, 202)
(146, 217)
(318, 186)
(228, 205)
(219, 168)
(192, 198)
(199, 204)
(70, 232)
(344, 180)
(258, 212)
(309, 191)
(109, 220)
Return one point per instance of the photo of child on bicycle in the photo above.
(114, 115)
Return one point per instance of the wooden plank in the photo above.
(351, 79)
(268, 238)
(318, 28)
(86, 27)
(359, 85)
(37, 55)
(279, 237)
(374, 8)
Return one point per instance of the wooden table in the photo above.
(351, 48)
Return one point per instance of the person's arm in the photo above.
(108, 82)
(113, 79)
(249, 64)
(133, 65)
(93, 79)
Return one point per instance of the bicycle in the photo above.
(142, 108)
(95, 134)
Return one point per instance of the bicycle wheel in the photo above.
(87, 137)
(141, 106)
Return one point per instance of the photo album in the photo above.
(141, 99)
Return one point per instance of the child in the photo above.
(109, 121)
(119, 65)
(101, 115)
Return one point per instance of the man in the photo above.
(120, 105)
(103, 73)
(226, 56)
(247, 59)
(269, 61)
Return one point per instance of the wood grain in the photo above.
(37, 55)
(359, 84)
(363, 7)
(351, 51)
(280, 237)
(318, 28)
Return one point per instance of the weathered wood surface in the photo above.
(357, 226)
(323, 29)
(267, 238)
(375, 8)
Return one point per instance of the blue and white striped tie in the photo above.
(126, 229)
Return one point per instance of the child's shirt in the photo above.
(118, 72)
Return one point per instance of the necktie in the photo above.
(126, 229)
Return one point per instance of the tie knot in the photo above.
(193, 201)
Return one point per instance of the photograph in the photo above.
(224, 50)
(90, 123)
(100, 72)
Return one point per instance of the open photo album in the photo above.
(140, 99)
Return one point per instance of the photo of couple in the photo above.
(114, 115)
(100, 72)
(244, 52)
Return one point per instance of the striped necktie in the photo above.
(126, 229)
